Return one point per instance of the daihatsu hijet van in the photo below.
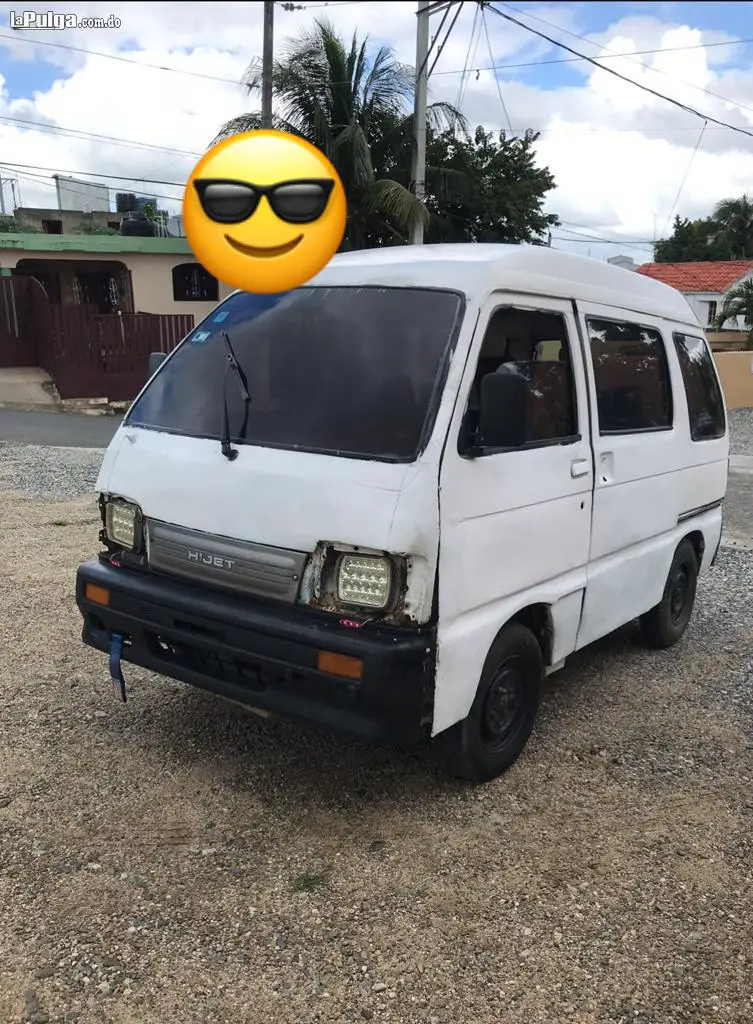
(391, 501)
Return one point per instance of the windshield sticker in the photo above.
(220, 317)
(200, 336)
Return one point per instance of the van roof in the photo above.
(476, 269)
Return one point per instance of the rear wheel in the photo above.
(665, 624)
(503, 712)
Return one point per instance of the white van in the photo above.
(389, 502)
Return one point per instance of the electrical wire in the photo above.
(630, 57)
(606, 56)
(496, 76)
(83, 136)
(447, 36)
(623, 78)
(16, 38)
(468, 58)
(430, 47)
(684, 179)
(39, 180)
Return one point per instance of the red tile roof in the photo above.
(698, 277)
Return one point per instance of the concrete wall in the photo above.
(736, 373)
(700, 305)
(34, 218)
(152, 277)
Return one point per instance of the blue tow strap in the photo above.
(116, 673)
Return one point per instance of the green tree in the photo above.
(726, 235)
(692, 241)
(738, 302)
(733, 221)
(356, 108)
(495, 192)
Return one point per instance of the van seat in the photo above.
(550, 401)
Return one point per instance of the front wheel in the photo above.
(502, 715)
(664, 625)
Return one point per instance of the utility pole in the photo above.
(418, 170)
(267, 64)
(2, 195)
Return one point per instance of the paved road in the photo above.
(74, 430)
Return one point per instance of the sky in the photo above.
(142, 102)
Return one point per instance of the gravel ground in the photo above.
(741, 432)
(177, 859)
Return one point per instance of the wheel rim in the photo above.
(503, 705)
(679, 595)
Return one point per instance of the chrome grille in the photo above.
(223, 562)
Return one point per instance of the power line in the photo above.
(469, 56)
(597, 240)
(623, 78)
(606, 56)
(448, 34)
(38, 179)
(116, 56)
(86, 136)
(451, 71)
(630, 57)
(496, 77)
(563, 224)
(684, 179)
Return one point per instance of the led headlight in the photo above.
(364, 580)
(120, 523)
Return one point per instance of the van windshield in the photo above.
(349, 371)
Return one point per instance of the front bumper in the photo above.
(264, 655)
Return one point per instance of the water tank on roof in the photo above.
(138, 225)
(125, 202)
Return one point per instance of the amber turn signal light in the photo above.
(97, 595)
(340, 665)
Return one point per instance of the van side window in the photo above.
(632, 377)
(534, 344)
(705, 402)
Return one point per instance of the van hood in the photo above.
(288, 499)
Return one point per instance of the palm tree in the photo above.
(733, 219)
(738, 302)
(357, 109)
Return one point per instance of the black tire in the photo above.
(503, 712)
(665, 624)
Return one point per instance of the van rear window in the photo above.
(705, 402)
(352, 371)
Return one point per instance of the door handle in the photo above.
(579, 468)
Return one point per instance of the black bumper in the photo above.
(262, 655)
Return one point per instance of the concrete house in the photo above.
(704, 285)
(113, 273)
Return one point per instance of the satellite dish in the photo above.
(175, 227)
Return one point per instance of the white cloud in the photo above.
(618, 154)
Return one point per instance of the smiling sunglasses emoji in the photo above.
(264, 211)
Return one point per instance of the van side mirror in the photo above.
(503, 411)
(156, 359)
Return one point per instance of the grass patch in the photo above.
(310, 881)
(60, 522)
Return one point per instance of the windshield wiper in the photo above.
(232, 363)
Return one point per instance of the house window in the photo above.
(192, 283)
(712, 315)
(52, 227)
(632, 377)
